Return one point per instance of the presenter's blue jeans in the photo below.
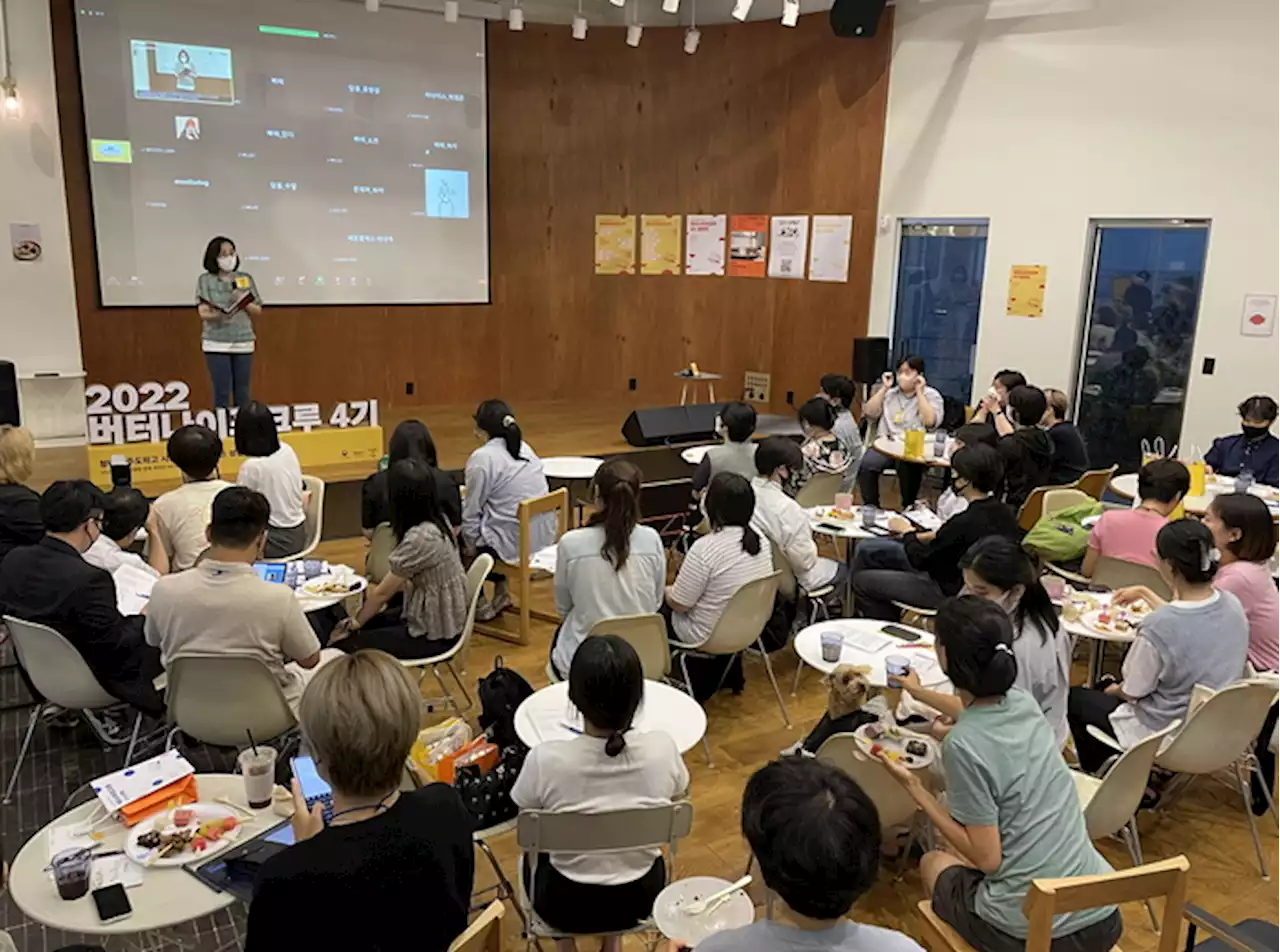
(229, 374)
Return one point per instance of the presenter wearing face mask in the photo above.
(1253, 449)
(227, 300)
(904, 400)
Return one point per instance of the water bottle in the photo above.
(1244, 480)
(939, 443)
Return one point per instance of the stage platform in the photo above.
(552, 428)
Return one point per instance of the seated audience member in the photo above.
(1027, 451)
(19, 506)
(991, 408)
(1000, 571)
(838, 390)
(500, 475)
(926, 568)
(1201, 637)
(409, 440)
(1254, 448)
(1245, 536)
(719, 563)
(271, 467)
(51, 584)
(385, 852)
(901, 403)
(1070, 455)
(222, 607)
(425, 566)
(609, 767)
(736, 453)
(823, 451)
(125, 511)
(779, 518)
(815, 841)
(1130, 534)
(611, 566)
(182, 514)
(1012, 813)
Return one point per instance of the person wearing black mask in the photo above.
(1254, 448)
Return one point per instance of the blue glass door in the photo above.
(940, 269)
(1143, 303)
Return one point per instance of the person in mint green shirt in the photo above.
(1012, 812)
(227, 300)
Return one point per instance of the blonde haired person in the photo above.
(20, 522)
(385, 853)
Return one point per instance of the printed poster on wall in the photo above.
(615, 244)
(829, 250)
(660, 244)
(788, 241)
(704, 244)
(1258, 318)
(748, 244)
(1026, 290)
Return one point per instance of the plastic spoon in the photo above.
(699, 906)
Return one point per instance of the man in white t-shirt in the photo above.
(223, 607)
(125, 511)
(782, 521)
(182, 514)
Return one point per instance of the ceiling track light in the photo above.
(790, 12)
(634, 32)
(670, 6)
(371, 5)
(450, 11)
(515, 18)
(579, 24)
(692, 37)
(741, 8)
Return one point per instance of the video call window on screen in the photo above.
(182, 73)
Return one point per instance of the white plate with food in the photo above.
(183, 835)
(908, 748)
(330, 586)
(1122, 620)
(732, 913)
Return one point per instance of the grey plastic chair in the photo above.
(540, 833)
(647, 634)
(62, 677)
(216, 698)
(313, 512)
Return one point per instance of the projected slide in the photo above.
(344, 152)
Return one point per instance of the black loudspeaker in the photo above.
(856, 19)
(9, 394)
(657, 426)
(870, 358)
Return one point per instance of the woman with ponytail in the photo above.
(1201, 637)
(611, 566)
(719, 563)
(1012, 812)
(608, 767)
(500, 475)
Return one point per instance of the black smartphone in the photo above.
(906, 634)
(832, 527)
(113, 904)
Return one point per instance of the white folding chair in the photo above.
(647, 634)
(546, 833)
(1219, 735)
(1110, 803)
(819, 490)
(222, 699)
(476, 575)
(313, 512)
(60, 674)
(738, 630)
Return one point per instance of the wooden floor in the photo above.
(745, 732)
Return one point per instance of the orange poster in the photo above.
(748, 245)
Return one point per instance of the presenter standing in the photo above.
(227, 300)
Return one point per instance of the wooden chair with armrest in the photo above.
(1048, 898)
(530, 509)
(483, 935)
(1095, 481)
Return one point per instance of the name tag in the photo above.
(899, 417)
(242, 282)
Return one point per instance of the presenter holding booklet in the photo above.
(227, 300)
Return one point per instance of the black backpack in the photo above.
(501, 691)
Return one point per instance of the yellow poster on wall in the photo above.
(1026, 290)
(615, 244)
(660, 244)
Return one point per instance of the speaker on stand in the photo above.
(9, 411)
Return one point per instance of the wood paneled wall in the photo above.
(763, 119)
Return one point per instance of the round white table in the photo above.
(866, 644)
(314, 603)
(1078, 629)
(571, 467)
(167, 897)
(695, 379)
(548, 715)
(693, 454)
(1214, 485)
(895, 449)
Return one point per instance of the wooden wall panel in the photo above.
(763, 119)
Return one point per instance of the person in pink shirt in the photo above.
(1245, 535)
(1130, 534)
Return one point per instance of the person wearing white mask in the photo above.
(902, 401)
(227, 300)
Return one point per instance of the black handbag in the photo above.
(487, 796)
